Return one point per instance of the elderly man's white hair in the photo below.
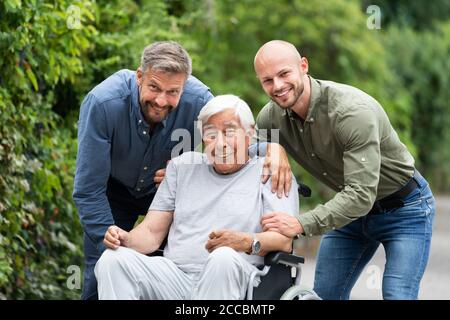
(227, 101)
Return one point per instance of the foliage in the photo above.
(426, 76)
(39, 228)
(54, 52)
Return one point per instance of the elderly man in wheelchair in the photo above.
(209, 206)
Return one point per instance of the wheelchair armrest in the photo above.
(277, 257)
(304, 190)
(156, 253)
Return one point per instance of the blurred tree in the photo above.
(418, 14)
(422, 64)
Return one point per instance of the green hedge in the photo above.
(39, 228)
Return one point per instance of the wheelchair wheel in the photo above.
(299, 293)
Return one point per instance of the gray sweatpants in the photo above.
(126, 274)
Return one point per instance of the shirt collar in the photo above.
(313, 101)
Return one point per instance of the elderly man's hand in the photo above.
(281, 222)
(239, 241)
(277, 164)
(115, 237)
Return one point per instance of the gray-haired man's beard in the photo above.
(145, 112)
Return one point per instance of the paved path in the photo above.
(436, 280)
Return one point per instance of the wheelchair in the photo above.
(281, 274)
(279, 277)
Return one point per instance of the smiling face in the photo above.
(226, 142)
(281, 72)
(159, 93)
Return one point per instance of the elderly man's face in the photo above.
(226, 142)
(159, 93)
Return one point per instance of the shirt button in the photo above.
(313, 154)
(311, 119)
(310, 234)
(145, 168)
(363, 159)
(324, 173)
(333, 228)
(301, 130)
(142, 180)
(138, 189)
(140, 121)
(144, 132)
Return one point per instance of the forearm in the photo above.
(347, 206)
(270, 241)
(142, 240)
(148, 236)
(95, 216)
(274, 241)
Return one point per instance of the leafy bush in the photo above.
(39, 228)
(424, 71)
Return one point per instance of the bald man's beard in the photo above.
(296, 94)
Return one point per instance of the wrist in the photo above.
(125, 242)
(247, 242)
(299, 230)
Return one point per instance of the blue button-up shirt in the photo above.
(115, 141)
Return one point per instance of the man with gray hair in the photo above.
(124, 138)
(210, 205)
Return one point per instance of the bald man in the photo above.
(343, 137)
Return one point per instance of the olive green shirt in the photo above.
(348, 143)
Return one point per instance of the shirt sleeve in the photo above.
(208, 96)
(289, 204)
(358, 132)
(92, 171)
(165, 197)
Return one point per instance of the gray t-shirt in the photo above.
(203, 200)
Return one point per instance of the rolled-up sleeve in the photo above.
(358, 132)
(92, 171)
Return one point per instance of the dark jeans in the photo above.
(405, 234)
(125, 210)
